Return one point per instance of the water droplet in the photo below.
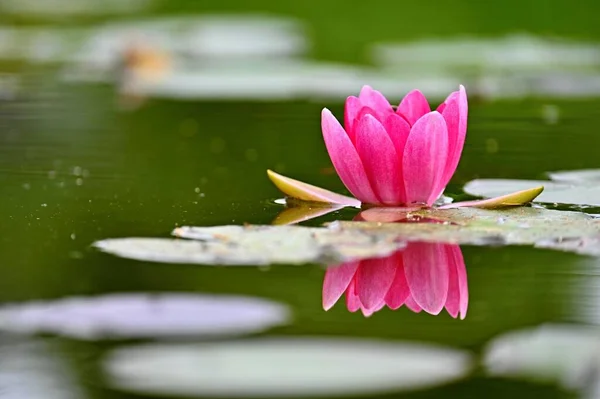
(79, 181)
(491, 146)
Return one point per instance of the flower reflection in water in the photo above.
(422, 276)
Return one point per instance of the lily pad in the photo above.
(282, 367)
(143, 316)
(344, 241)
(564, 354)
(254, 245)
(577, 187)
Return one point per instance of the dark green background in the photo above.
(144, 167)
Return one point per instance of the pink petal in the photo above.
(424, 158)
(380, 160)
(398, 130)
(426, 268)
(412, 305)
(455, 114)
(399, 290)
(455, 255)
(351, 109)
(336, 281)
(373, 279)
(413, 106)
(345, 159)
(352, 300)
(374, 99)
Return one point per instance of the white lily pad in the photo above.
(564, 354)
(578, 187)
(143, 316)
(282, 367)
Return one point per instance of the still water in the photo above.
(76, 167)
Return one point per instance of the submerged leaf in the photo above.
(517, 198)
(307, 192)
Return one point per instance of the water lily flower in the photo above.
(399, 157)
(422, 276)
(403, 156)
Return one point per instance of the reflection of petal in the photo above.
(412, 305)
(374, 279)
(352, 301)
(399, 290)
(369, 312)
(337, 280)
(426, 267)
(462, 279)
(453, 300)
(298, 214)
(423, 276)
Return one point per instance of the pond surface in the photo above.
(76, 167)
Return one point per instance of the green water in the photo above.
(74, 169)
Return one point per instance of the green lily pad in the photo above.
(577, 187)
(343, 241)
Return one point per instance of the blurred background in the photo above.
(129, 118)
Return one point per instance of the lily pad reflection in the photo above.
(282, 367)
(143, 316)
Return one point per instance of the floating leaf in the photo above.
(581, 176)
(341, 241)
(253, 245)
(564, 354)
(307, 192)
(578, 187)
(283, 367)
(143, 316)
(517, 198)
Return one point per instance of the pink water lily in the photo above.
(396, 157)
(422, 276)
